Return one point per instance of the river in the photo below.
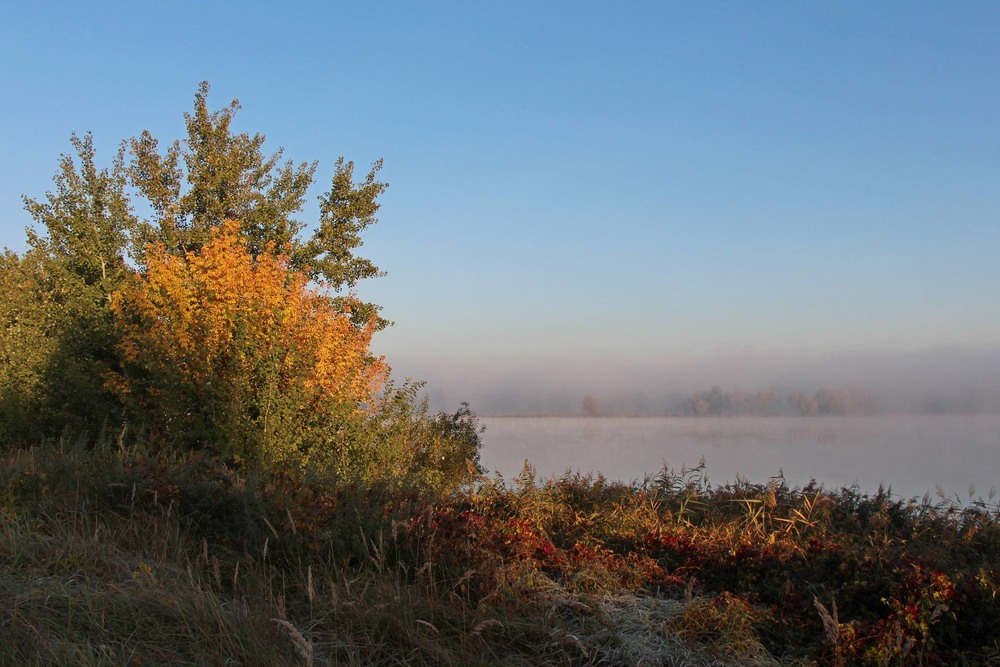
(947, 454)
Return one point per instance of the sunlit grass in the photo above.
(112, 557)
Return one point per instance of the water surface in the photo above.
(912, 454)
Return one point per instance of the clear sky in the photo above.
(584, 190)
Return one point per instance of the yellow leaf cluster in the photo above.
(221, 340)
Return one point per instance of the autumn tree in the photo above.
(234, 352)
(87, 240)
(216, 174)
(244, 338)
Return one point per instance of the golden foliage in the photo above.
(219, 343)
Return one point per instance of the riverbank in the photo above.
(111, 556)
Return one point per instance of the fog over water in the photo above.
(935, 422)
(914, 455)
(935, 380)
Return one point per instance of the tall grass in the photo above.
(110, 557)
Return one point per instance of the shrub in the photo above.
(236, 354)
(398, 442)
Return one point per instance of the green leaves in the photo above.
(88, 218)
(217, 174)
(88, 242)
(345, 211)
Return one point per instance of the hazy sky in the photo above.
(585, 189)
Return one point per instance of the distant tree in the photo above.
(802, 405)
(830, 402)
(707, 403)
(718, 401)
(844, 401)
(590, 406)
(766, 403)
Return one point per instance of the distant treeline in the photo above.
(826, 401)
(716, 402)
(831, 400)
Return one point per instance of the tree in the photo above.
(803, 405)
(87, 220)
(234, 353)
(241, 338)
(87, 243)
(58, 334)
(216, 174)
(25, 348)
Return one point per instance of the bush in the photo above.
(235, 354)
(400, 444)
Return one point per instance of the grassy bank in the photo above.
(112, 557)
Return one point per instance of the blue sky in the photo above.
(582, 190)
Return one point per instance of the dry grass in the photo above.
(108, 557)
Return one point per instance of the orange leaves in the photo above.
(222, 345)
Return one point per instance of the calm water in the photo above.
(912, 454)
